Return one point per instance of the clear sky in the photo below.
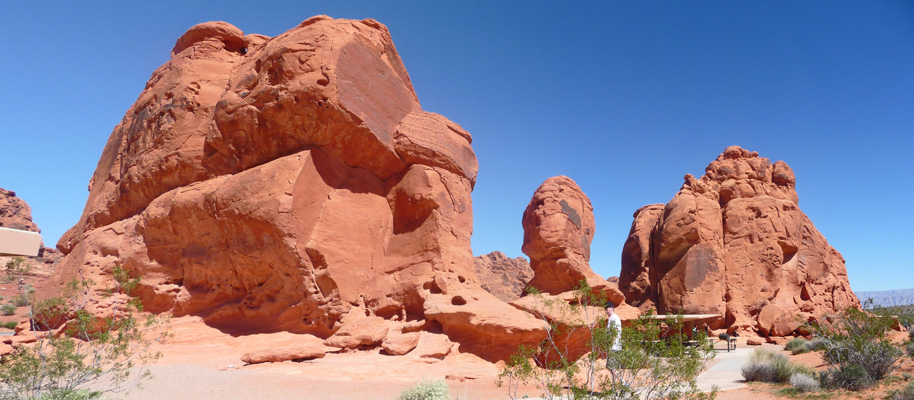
(624, 97)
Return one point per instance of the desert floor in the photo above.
(203, 363)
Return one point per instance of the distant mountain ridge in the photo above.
(887, 298)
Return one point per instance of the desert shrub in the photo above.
(796, 346)
(9, 325)
(758, 371)
(904, 394)
(426, 389)
(850, 377)
(911, 334)
(815, 344)
(804, 383)
(8, 309)
(859, 338)
(70, 394)
(19, 301)
(909, 348)
(106, 351)
(878, 357)
(765, 366)
(655, 360)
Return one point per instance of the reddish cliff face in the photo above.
(504, 277)
(292, 183)
(735, 242)
(15, 213)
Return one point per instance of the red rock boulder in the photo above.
(734, 242)
(308, 349)
(558, 228)
(15, 213)
(270, 184)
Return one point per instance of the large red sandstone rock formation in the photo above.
(293, 183)
(735, 242)
(504, 277)
(558, 229)
(15, 213)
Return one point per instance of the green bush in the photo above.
(9, 325)
(878, 357)
(850, 377)
(19, 301)
(655, 360)
(815, 344)
(905, 394)
(106, 351)
(765, 366)
(796, 346)
(70, 394)
(804, 383)
(858, 338)
(426, 390)
(8, 309)
(758, 371)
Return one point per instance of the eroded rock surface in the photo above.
(269, 184)
(502, 276)
(558, 228)
(15, 213)
(734, 242)
(308, 348)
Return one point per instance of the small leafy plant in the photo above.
(765, 366)
(796, 346)
(904, 394)
(426, 389)
(804, 383)
(8, 309)
(656, 359)
(849, 377)
(19, 301)
(84, 348)
(857, 338)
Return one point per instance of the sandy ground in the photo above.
(203, 363)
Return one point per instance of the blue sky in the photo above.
(624, 97)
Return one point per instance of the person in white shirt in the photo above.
(614, 324)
